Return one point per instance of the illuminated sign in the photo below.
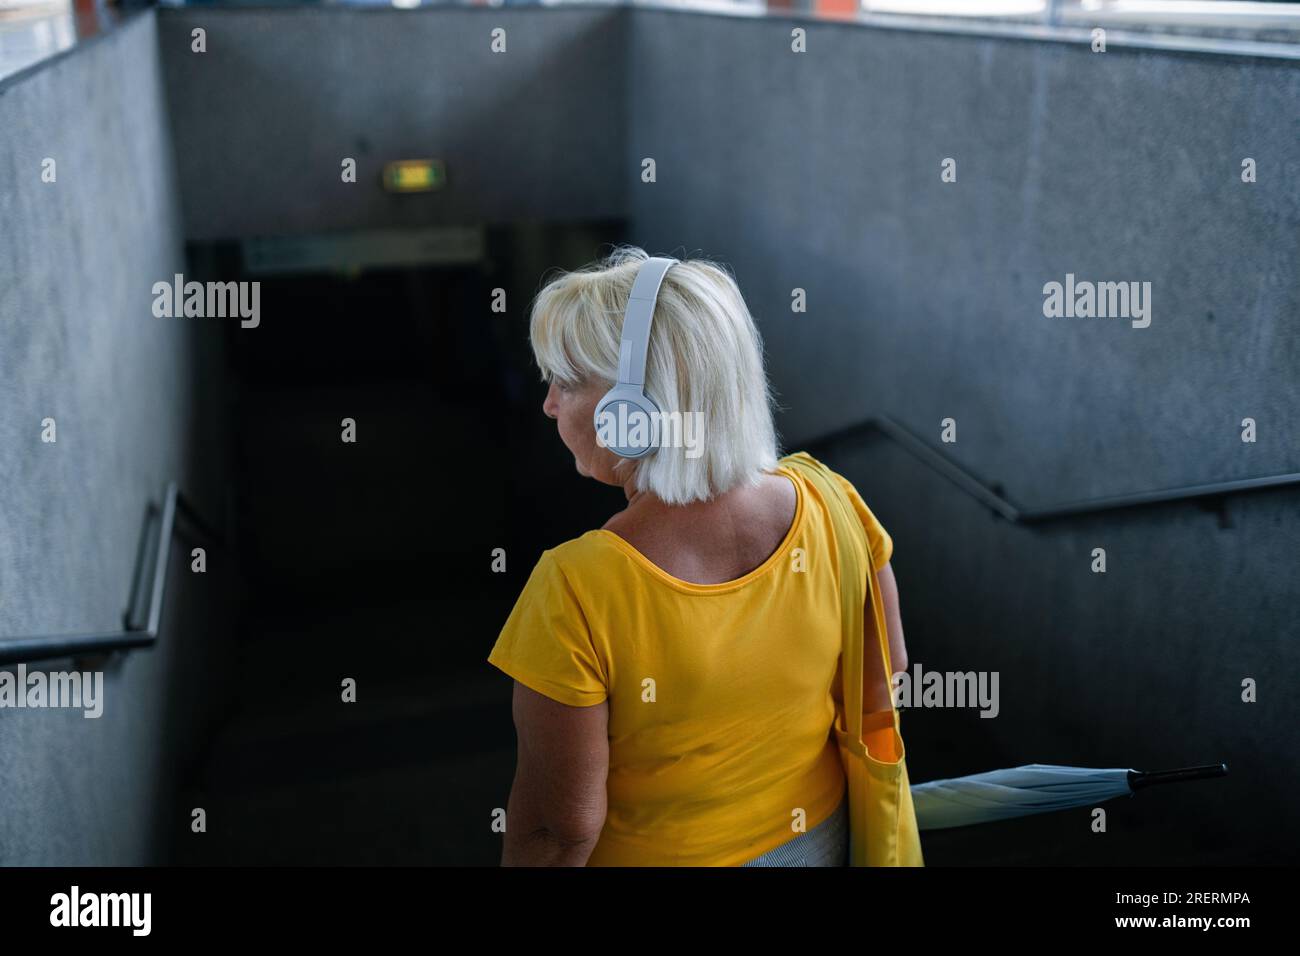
(414, 175)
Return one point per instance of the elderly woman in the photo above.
(674, 668)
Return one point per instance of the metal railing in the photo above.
(994, 498)
(150, 571)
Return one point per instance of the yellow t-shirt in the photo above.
(720, 703)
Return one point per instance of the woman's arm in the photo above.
(558, 801)
(874, 687)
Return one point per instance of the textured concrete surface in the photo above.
(282, 96)
(131, 395)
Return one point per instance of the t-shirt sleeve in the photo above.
(882, 545)
(546, 644)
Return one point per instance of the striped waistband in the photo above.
(826, 844)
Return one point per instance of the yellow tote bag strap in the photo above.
(854, 552)
(883, 828)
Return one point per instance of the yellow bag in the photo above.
(882, 820)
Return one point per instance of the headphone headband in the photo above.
(635, 342)
(628, 394)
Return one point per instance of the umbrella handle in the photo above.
(1138, 779)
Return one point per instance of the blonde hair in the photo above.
(705, 356)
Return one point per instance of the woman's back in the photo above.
(716, 541)
(719, 694)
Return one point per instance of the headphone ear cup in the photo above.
(651, 412)
(618, 411)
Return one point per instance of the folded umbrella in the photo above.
(1033, 788)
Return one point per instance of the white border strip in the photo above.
(1080, 35)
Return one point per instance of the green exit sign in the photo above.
(414, 175)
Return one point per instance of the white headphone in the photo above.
(628, 398)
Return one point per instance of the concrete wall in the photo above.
(135, 405)
(818, 171)
(266, 116)
(822, 171)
